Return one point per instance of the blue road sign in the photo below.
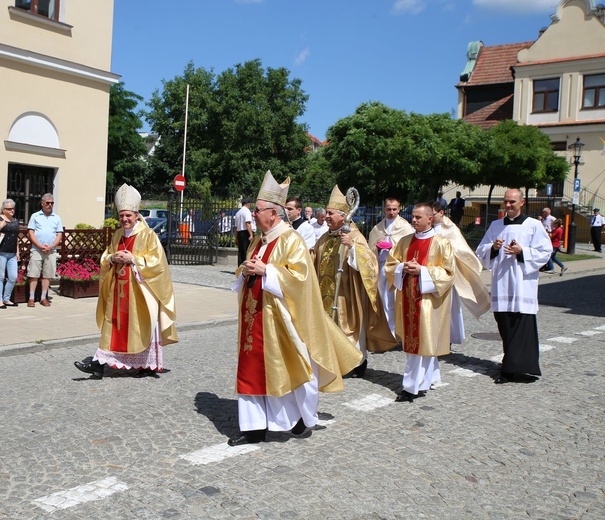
(549, 190)
(576, 185)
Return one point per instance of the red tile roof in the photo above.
(494, 63)
(492, 114)
(316, 141)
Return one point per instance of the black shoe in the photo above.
(503, 378)
(299, 427)
(249, 437)
(421, 393)
(360, 371)
(93, 367)
(405, 397)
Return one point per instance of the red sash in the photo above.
(121, 300)
(412, 297)
(251, 375)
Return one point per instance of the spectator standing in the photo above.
(9, 252)
(384, 236)
(224, 222)
(45, 231)
(244, 232)
(456, 207)
(556, 235)
(440, 199)
(547, 219)
(513, 249)
(596, 228)
(136, 308)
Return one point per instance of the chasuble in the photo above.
(279, 335)
(129, 310)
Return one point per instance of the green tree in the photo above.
(382, 151)
(240, 123)
(520, 156)
(318, 178)
(126, 149)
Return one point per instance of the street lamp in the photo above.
(577, 155)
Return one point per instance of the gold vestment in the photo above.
(435, 309)
(150, 303)
(467, 280)
(358, 297)
(296, 326)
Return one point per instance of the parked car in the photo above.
(154, 213)
(160, 226)
(406, 213)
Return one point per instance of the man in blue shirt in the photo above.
(45, 234)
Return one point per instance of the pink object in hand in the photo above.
(383, 244)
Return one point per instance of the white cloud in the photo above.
(408, 6)
(519, 6)
(302, 56)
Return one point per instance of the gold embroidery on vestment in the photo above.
(249, 312)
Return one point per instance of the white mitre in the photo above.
(271, 191)
(127, 199)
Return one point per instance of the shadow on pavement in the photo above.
(383, 378)
(221, 412)
(580, 295)
(474, 364)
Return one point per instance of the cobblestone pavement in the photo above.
(124, 448)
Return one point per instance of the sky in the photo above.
(407, 54)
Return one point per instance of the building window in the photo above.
(594, 91)
(46, 8)
(546, 95)
(559, 146)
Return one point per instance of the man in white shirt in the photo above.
(596, 228)
(304, 229)
(245, 233)
(320, 226)
(547, 220)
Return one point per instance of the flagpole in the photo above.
(184, 146)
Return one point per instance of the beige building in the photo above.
(55, 57)
(556, 83)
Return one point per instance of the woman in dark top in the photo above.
(9, 252)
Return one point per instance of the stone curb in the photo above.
(20, 349)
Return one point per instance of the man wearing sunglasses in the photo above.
(45, 233)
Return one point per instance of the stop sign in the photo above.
(179, 182)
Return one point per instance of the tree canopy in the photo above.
(125, 147)
(382, 151)
(520, 156)
(241, 122)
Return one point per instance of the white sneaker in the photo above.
(562, 271)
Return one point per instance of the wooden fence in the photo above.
(76, 244)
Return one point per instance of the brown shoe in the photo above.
(45, 303)
(30, 303)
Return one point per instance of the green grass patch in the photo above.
(570, 258)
